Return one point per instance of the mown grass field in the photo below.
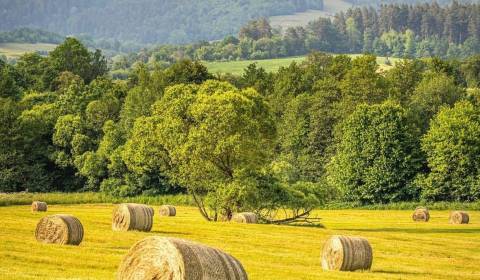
(18, 49)
(402, 249)
(272, 65)
(331, 7)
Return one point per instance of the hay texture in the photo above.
(131, 216)
(39, 206)
(347, 254)
(245, 218)
(176, 259)
(59, 229)
(167, 211)
(459, 217)
(421, 214)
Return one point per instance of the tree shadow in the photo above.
(418, 230)
(316, 225)
(169, 232)
(397, 272)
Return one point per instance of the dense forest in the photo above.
(330, 128)
(145, 21)
(403, 31)
(28, 35)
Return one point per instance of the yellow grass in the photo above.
(18, 49)
(402, 249)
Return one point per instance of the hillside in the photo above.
(145, 21)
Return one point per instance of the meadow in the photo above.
(272, 65)
(331, 7)
(402, 249)
(15, 50)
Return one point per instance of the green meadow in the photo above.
(272, 65)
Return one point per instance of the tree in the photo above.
(434, 91)
(452, 146)
(376, 159)
(186, 71)
(471, 70)
(72, 56)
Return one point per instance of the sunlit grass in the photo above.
(18, 49)
(272, 65)
(402, 249)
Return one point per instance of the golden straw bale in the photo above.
(421, 214)
(347, 254)
(39, 206)
(131, 216)
(59, 229)
(176, 259)
(167, 210)
(459, 217)
(246, 218)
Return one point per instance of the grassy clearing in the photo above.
(402, 249)
(14, 50)
(331, 7)
(11, 199)
(89, 197)
(272, 65)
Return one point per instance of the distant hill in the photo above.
(145, 21)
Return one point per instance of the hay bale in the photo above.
(167, 211)
(421, 214)
(459, 217)
(347, 254)
(131, 216)
(39, 206)
(171, 258)
(59, 229)
(245, 218)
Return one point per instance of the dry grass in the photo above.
(15, 50)
(402, 249)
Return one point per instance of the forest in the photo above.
(144, 21)
(415, 31)
(331, 128)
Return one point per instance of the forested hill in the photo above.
(145, 21)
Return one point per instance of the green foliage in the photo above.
(73, 57)
(435, 90)
(452, 148)
(376, 158)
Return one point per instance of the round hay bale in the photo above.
(131, 216)
(39, 206)
(59, 229)
(459, 217)
(347, 254)
(167, 211)
(245, 218)
(421, 214)
(177, 259)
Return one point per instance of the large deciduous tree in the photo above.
(377, 156)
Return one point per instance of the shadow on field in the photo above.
(307, 225)
(397, 272)
(418, 230)
(169, 232)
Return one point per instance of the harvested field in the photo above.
(402, 249)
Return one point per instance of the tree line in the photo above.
(411, 31)
(329, 128)
(145, 21)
